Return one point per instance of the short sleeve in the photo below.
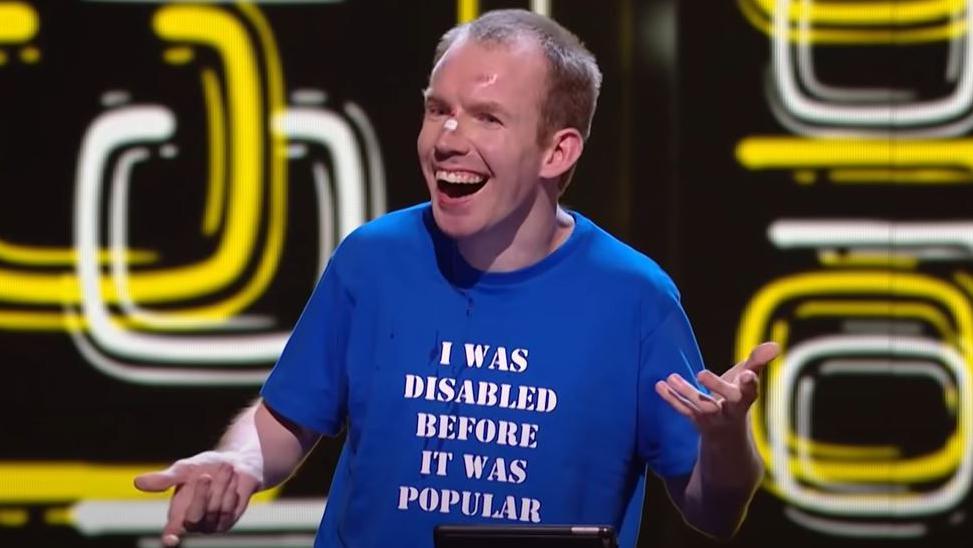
(667, 441)
(309, 383)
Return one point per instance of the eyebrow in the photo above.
(429, 97)
(490, 106)
(477, 106)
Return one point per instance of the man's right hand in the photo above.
(212, 489)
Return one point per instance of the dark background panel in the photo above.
(684, 82)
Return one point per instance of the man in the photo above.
(494, 357)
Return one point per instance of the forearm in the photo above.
(722, 483)
(266, 444)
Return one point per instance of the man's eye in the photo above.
(488, 118)
(435, 110)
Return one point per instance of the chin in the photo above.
(453, 225)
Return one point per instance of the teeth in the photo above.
(462, 177)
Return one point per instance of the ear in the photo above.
(562, 153)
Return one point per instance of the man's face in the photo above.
(483, 167)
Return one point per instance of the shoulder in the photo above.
(399, 231)
(396, 227)
(396, 239)
(626, 278)
(618, 263)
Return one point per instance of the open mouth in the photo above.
(457, 184)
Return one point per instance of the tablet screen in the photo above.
(524, 536)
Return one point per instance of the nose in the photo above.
(451, 141)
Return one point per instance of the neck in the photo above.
(520, 241)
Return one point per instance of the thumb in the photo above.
(761, 355)
(154, 482)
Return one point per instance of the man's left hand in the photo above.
(724, 409)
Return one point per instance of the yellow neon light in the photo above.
(30, 55)
(467, 10)
(277, 213)
(928, 313)
(965, 281)
(780, 333)
(58, 516)
(218, 29)
(215, 27)
(33, 321)
(864, 258)
(217, 152)
(178, 56)
(831, 450)
(923, 468)
(37, 321)
(13, 517)
(266, 268)
(32, 482)
(805, 176)
(18, 22)
(898, 37)
(759, 311)
(40, 256)
(929, 176)
(255, 286)
(790, 152)
(890, 12)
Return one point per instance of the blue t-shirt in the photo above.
(471, 397)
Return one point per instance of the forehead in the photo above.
(510, 69)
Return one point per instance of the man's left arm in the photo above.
(715, 496)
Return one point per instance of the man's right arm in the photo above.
(259, 450)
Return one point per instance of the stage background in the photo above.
(174, 176)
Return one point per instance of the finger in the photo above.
(688, 392)
(760, 356)
(221, 481)
(676, 401)
(154, 482)
(749, 385)
(717, 385)
(175, 528)
(197, 506)
(247, 485)
(228, 505)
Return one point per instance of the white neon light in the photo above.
(168, 376)
(786, 119)
(955, 58)
(115, 97)
(912, 504)
(326, 241)
(118, 234)
(787, 234)
(108, 132)
(885, 367)
(805, 71)
(229, 540)
(373, 158)
(329, 129)
(309, 97)
(927, 112)
(870, 367)
(101, 517)
(861, 530)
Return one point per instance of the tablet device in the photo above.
(525, 536)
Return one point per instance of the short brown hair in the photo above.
(573, 75)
